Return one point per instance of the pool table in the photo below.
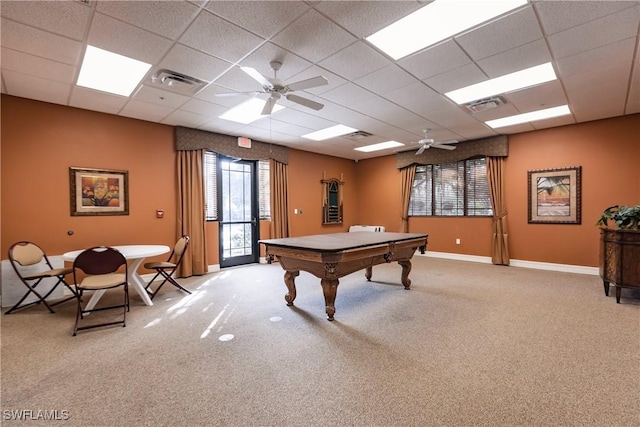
(331, 256)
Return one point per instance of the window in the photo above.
(451, 189)
(264, 189)
(211, 191)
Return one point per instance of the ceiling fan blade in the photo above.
(453, 141)
(445, 147)
(421, 149)
(305, 102)
(228, 94)
(308, 83)
(268, 106)
(257, 77)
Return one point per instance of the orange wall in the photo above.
(379, 204)
(41, 141)
(305, 172)
(609, 153)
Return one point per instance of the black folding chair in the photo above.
(100, 265)
(167, 268)
(32, 266)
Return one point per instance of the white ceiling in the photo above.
(593, 45)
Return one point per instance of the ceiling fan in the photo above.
(426, 143)
(276, 88)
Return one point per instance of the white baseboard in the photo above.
(566, 268)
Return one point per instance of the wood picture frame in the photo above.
(555, 195)
(98, 191)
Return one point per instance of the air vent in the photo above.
(485, 104)
(358, 135)
(176, 82)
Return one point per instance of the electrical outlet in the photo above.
(457, 241)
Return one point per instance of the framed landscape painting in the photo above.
(99, 192)
(555, 196)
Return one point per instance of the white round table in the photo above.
(134, 253)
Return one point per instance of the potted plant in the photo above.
(620, 248)
(625, 217)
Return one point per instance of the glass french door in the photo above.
(238, 222)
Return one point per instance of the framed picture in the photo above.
(555, 196)
(99, 192)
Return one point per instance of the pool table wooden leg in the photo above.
(289, 280)
(368, 273)
(406, 268)
(329, 288)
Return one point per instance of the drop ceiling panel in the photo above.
(516, 29)
(159, 97)
(418, 98)
(310, 120)
(203, 108)
(264, 18)
(291, 64)
(209, 31)
(386, 79)
(116, 36)
(185, 60)
(209, 94)
(456, 78)
(546, 95)
(601, 32)
(38, 67)
(557, 16)
(598, 58)
(97, 101)
(182, 118)
(355, 61)
(349, 94)
(165, 18)
(32, 87)
(435, 60)
(529, 55)
(146, 111)
(40, 43)
(554, 122)
(302, 36)
(68, 19)
(349, 14)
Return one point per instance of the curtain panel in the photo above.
(500, 236)
(191, 212)
(279, 200)
(407, 175)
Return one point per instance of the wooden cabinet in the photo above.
(620, 259)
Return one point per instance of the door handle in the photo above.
(253, 221)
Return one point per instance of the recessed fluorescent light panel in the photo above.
(109, 72)
(331, 132)
(547, 113)
(507, 83)
(435, 22)
(379, 146)
(249, 111)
